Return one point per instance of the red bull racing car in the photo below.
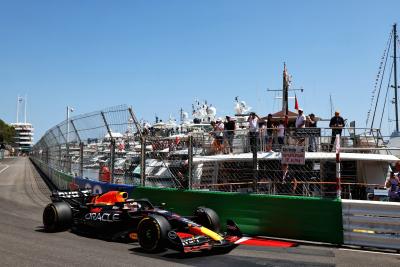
(113, 215)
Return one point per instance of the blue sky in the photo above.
(158, 56)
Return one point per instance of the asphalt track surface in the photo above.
(23, 195)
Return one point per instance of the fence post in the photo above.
(255, 169)
(112, 148)
(135, 121)
(112, 159)
(143, 161)
(66, 144)
(338, 177)
(80, 149)
(190, 162)
(81, 159)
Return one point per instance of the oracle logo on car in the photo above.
(102, 217)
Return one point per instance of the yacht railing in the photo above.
(361, 140)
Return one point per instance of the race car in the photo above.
(113, 215)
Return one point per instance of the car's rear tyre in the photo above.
(152, 233)
(57, 217)
(207, 218)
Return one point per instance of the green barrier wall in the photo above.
(302, 218)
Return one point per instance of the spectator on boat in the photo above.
(253, 130)
(336, 124)
(270, 132)
(392, 184)
(312, 123)
(263, 135)
(286, 184)
(301, 119)
(281, 133)
(300, 123)
(230, 127)
(218, 134)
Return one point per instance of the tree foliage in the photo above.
(7, 133)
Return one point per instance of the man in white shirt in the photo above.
(301, 119)
(300, 123)
(253, 130)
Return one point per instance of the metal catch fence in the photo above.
(111, 145)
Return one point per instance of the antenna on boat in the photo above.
(331, 103)
(395, 74)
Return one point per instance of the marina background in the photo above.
(159, 56)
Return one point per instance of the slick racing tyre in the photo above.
(57, 217)
(152, 233)
(207, 218)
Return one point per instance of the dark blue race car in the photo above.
(112, 215)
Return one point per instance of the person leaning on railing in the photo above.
(337, 124)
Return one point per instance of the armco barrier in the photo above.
(371, 224)
(302, 218)
(311, 219)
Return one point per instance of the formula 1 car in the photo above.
(112, 215)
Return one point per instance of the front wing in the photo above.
(187, 243)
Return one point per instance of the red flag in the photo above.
(296, 104)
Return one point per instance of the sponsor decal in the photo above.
(172, 234)
(95, 210)
(97, 189)
(73, 194)
(189, 222)
(191, 241)
(102, 217)
(196, 248)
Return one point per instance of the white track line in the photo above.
(368, 251)
(242, 240)
(5, 168)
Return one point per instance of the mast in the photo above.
(285, 88)
(395, 75)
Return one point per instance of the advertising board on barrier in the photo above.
(101, 187)
(293, 155)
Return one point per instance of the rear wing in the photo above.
(70, 194)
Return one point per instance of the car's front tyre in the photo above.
(152, 233)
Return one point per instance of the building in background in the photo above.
(24, 131)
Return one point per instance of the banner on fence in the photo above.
(293, 155)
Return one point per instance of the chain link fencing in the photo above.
(111, 145)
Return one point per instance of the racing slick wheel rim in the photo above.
(149, 234)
